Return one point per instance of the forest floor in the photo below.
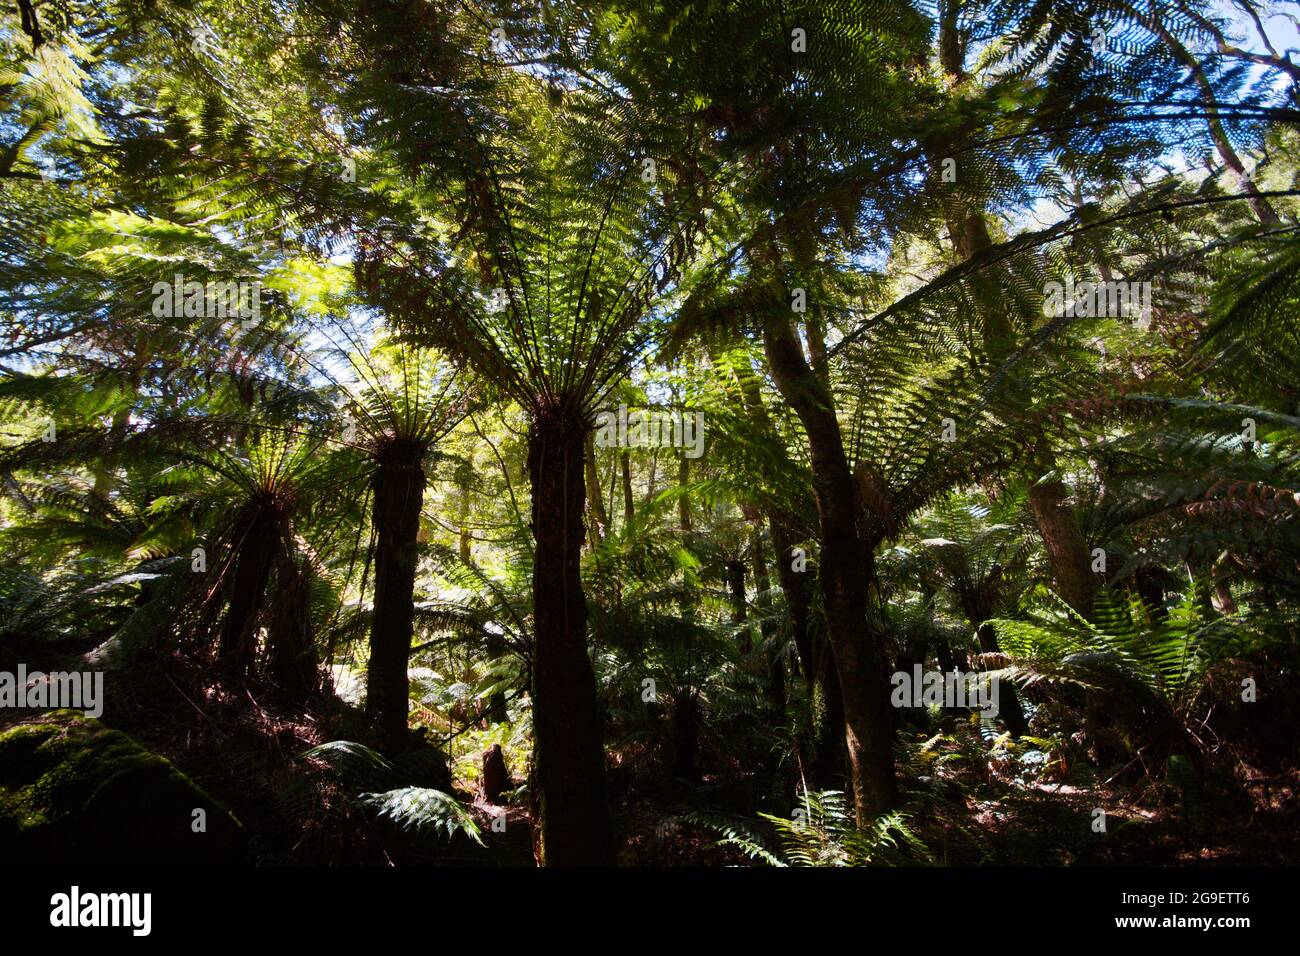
(248, 754)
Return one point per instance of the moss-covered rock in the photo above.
(74, 791)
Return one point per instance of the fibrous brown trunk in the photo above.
(1223, 600)
(1067, 551)
(291, 644)
(568, 754)
(856, 643)
(398, 490)
(255, 547)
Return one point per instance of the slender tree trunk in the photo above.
(398, 489)
(735, 570)
(464, 542)
(629, 506)
(594, 499)
(683, 502)
(1223, 600)
(569, 756)
(685, 734)
(1067, 551)
(827, 757)
(798, 598)
(823, 743)
(857, 651)
(762, 582)
(654, 467)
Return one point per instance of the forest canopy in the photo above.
(832, 433)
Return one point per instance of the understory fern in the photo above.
(370, 777)
(423, 809)
(821, 832)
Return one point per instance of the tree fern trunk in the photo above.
(824, 743)
(1067, 551)
(255, 544)
(398, 488)
(855, 644)
(569, 756)
(1011, 710)
(291, 643)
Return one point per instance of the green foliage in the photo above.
(369, 776)
(822, 833)
(457, 239)
(1128, 647)
(423, 809)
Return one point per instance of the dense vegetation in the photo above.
(970, 331)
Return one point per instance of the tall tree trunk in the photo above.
(762, 582)
(569, 756)
(1223, 600)
(823, 742)
(1009, 707)
(684, 725)
(735, 569)
(1067, 551)
(629, 506)
(798, 598)
(255, 546)
(1066, 548)
(594, 499)
(650, 485)
(398, 489)
(827, 758)
(291, 644)
(464, 541)
(683, 502)
(855, 644)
